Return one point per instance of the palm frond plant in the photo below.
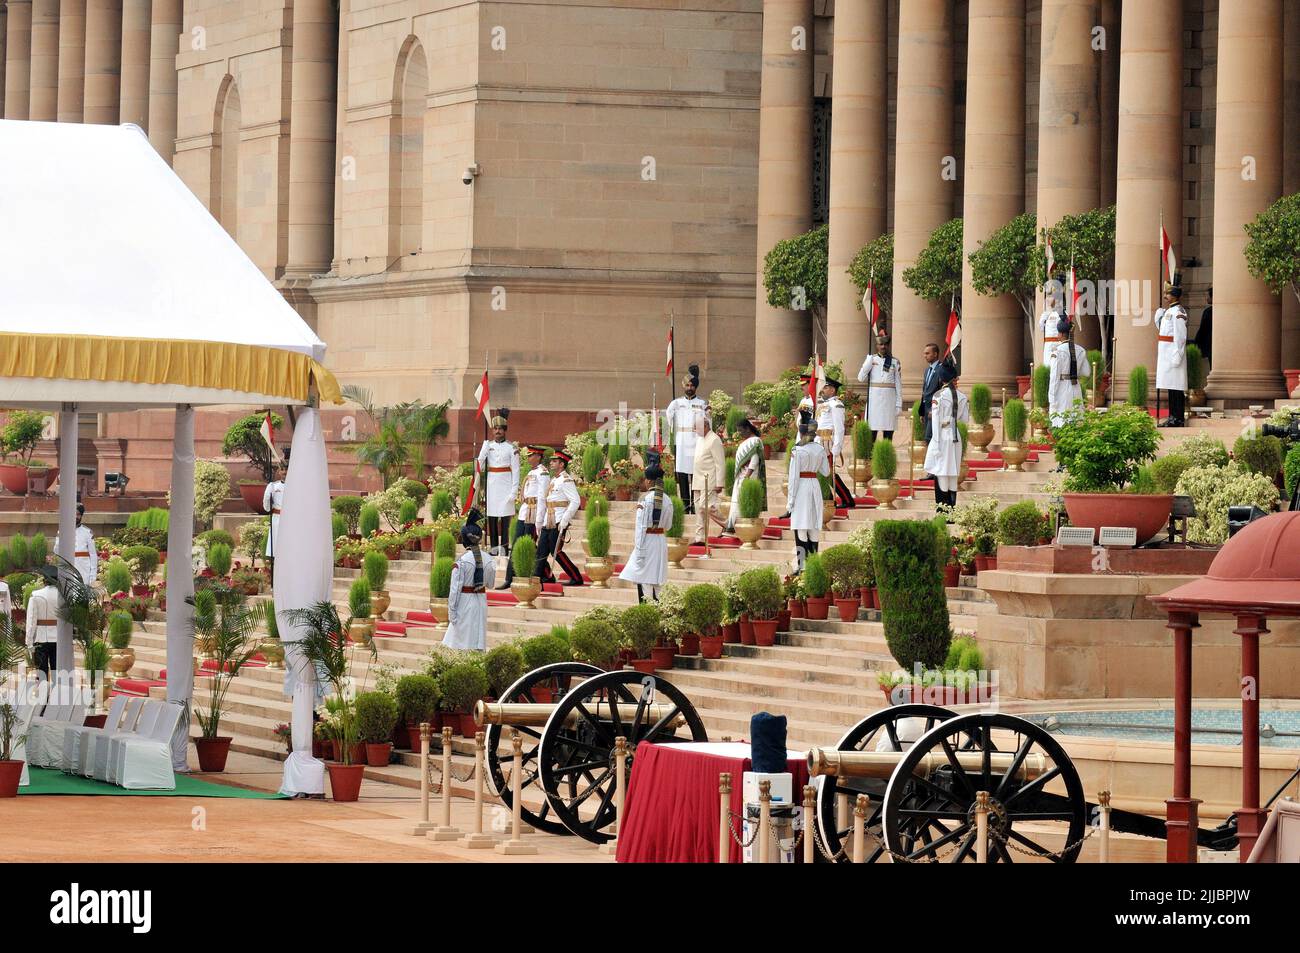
(83, 609)
(230, 627)
(321, 645)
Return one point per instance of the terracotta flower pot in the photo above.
(1148, 514)
(345, 780)
(764, 631)
(952, 575)
(662, 656)
(746, 631)
(626, 657)
(783, 620)
(796, 608)
(413, 734)
(981, 563)
(468, 726)
(818, 608)
(253, 494)
(731, 633)
(690, 645)
(711, 646)
(212, 753)
(377, 755)
(543, 695)
(848, 608)
(875, 598)
(646, 666)
(11, 773)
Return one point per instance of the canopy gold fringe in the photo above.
(222, 366)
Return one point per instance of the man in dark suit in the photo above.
(1205, 333)
(930, 385)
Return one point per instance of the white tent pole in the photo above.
(68, 435)
(180, 581)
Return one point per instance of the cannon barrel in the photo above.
(881, 764)
(532, 715)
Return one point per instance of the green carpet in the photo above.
(53, 781)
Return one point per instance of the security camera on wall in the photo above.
(471, 173)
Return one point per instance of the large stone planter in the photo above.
(678, 549)
(1147, 514)
(380, 600)
(1014, 456)
(750, 532)
(438, 609)
(526, 590)
(980, 436)
(885, 492)
(599, 569)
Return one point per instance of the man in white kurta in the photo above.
(709, 479)
(1065, 391)
(532, 500)
(681, 416)
(648, 564)
(498, 467)
(1171, 353)
(273, 502)
(883, 376)
(944, 453)
(84, 556)
(808, 460)
(471, 577)
(561, 505)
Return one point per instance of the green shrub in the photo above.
(918, 425)
(368, 521)
(338, 525)
(143, 560)
(863, 437)
(417, 698)
(20, 553)
(1138, 385)
(1166, 471)
(440, 505)
(761, 592)
(349, 507)
(408, 512)
(524, 557)
(617, 451)
(156, 518)
(117, 576)
(597, 505)
(1102, 449)
(912, 598)
(981, 403)
(884, 460)
(440, 577)
(781, 405)
(466, 482)
(6, 564)
(1213, 490)
(593, 461)
(1015, 419)
(219, 559)
(731, 470)
(964, 654)
(359, 598)
(1042, 383)
(503, 665)
(702, 608)
(1021, 524)
(120, 628)
(376, 717)
(679, 517)
(1204, 451)
(816, 580)
(412, 489)
(374, 567)
(38, 550)
(544, 649)
(1195, 368)
(1261, 454)
(844, 564)
(752, 498)
(642, 627)
(598, 536)
(1143, 482)
(217, 536)
(444, 547)
(735, 415)
(1291, 469)
(595, 640)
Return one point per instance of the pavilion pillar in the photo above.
(72, 60)
(1150, 174)
(781, 335)
(180, 584)
(18, 60)
(859, 170)
(1181, 822)
(45, 60)
(311, 139)
(103, 61)
(1250, 819)
(68, 437)
(165, 32)
(995, 182)
(923, 183)
(136, 39)
(1291, 168)
(1247, 180)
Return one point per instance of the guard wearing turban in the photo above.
(498, 467)
(648, 564)
(471, 578)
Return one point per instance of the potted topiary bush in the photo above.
(919, 446)
(595, 640)
(702, 608)
(368, 520)
(751, 524)
(18, 438)
(760, 590)
(1195, 376)
(1015, 419)
(219, 560)
(980, 432)
(794, 596)
(376, 718)
(526, 585)
(642, 627)
(549, 648)
(732, 609)
(816, 583)
(374, 569)
(417, 701)
(884, 464)
(599, 565)
(843, 563)
(121, 655)
(1021, 524)
(361, 627)
(1138, 385)
(1101, 451)
(863, 438)
(1042, 384)
(440, 587)
(143, 561)
(463, 685)
(503, 664)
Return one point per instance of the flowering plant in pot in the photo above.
(231, 628)
(843, 563)
(816, 583)
(417, 701)
(702, 609)
(376, 717)
(463, 685)
(642, 628)
(760, 589)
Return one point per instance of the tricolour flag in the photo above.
(268, 434)
(481, 395)
(871, 305)
(953, 336)
(668, 370)
(1168, 258)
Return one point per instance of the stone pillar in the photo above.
(1069, 128)
(311, 139)
(923, 147)
(72, 60)
(45, 60)
(1291, 168)
(18, 60)
(342, 145)
(782, 338)
(164, 42)
(1108, 100)
(1149, 174)
(103, 60)
(859, 144)
(136, 41)
(994, 193)
(1181, 810)
(1247, 179)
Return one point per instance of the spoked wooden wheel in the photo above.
(890, 729)
(576, 754)
(1037, 807)
(540, 686)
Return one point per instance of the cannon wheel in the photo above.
(889, 729)
(933, 818)
(577, 764)
(558, 678)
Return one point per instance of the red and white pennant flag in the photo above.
(481, 395)
(1168, 257)
(668, 372)
(268, 434)
(953, 337)
(871, 304)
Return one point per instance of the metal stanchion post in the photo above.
(424, 826)
(764, 822)
(478, 840)
(620, 772)
(445, 831)
(516, 845)
(724, 819)
(982, 827)
(809, 802)
(1103, 805)
(860, 829)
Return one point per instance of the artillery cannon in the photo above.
(568, 715)
(922, 766)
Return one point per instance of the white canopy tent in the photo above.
(119, 291)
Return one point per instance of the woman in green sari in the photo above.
(750, 462)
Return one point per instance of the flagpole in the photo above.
(672, 337)
(1160, 294)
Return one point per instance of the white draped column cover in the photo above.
(180, 584)
(63, 660)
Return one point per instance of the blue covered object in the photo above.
(767, 743)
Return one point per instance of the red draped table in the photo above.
(671, 811)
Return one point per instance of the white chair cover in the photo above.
(92, 737)
(73, 734)
(104, 754)
(45, 735)
(19, 752)
(145, 762)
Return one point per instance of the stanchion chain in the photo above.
(732, 817)
(435, 783)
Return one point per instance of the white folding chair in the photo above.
(92, 738)
(104, 749)
(74, 733)
(40, 744)
(144, 762)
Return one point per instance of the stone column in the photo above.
(342, 145)
(782, 337)
(1069, 129)
(311, 139)
(1108, 100)
(103, 60)
(923, 151)
(1149, 174)
(45, 60)
(133, 98)
(994, 194)
(18, 60)
(1247, 179)
(72, 59)
(1291, 168)
(859, 143)
(164, 42)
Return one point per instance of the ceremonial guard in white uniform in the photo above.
(1050, 318)
(750, 464)
(43, 621)
(944, 453)
(1068, 362)
(471, 577)
(84, 555)
(498, 467)
(532, 500)
(648, 564)
(680, 416)
(273, 502)
(808, 460)
(562, 502)
(883, 376)
(1171, 353)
